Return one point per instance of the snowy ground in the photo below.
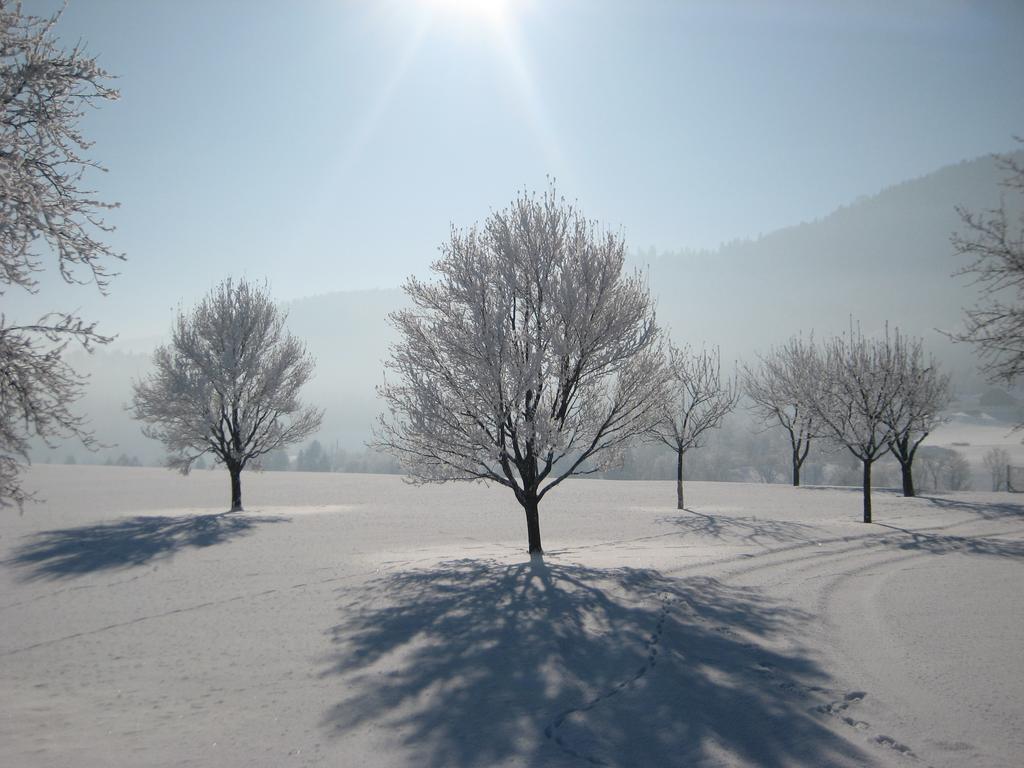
(354, 620)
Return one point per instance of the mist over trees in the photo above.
(227, 385)
(319, 458)
(945, 469)
(996, 461)
(313, 458)
(47, 216)
(903, 231)
(531, 358)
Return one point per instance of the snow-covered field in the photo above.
(355, 620)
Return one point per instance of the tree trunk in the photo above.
(236, 487)
(533, 525)
(904, 453)
(680, 504)
(867, 491)
(908, 478)
(796, 467)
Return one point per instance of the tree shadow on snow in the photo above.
(944, 544)
(133, 541)
(476, 662)
(746, 529)
(986, 510)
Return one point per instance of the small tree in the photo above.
(920, 393)
(993, 241)
(697, 398)
(776, 388)
(45, 210)
(996, 460)
(851, 391)
(532, 358)
(227, 384)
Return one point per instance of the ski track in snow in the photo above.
(177, 611)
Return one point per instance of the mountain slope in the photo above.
(882, 258)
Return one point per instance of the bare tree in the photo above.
(777, 388)
(994, 242)
(530, 359)
(697, 398)
(921, 391)
(227, 384)
(851, 392)
(45, 212)
(996, 460)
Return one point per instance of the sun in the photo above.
(494, 13)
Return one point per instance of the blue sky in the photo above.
(330, 144)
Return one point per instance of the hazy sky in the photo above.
(330, 144)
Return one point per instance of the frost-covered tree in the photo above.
(696, 400)
(921, 391)
(47, 213)
(993, 241)
(227, 384)
(851, 391)
(776, 388)
(531, 357)
(996, 460)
